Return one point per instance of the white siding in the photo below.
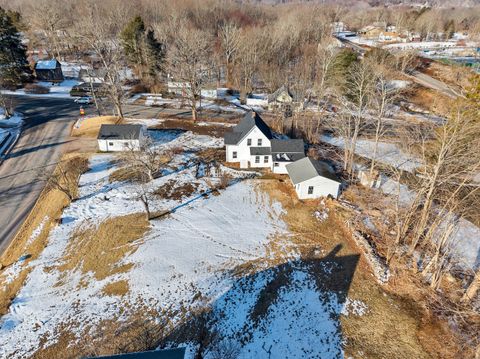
(322, 187)
(281, 168)
(262, 163)
(243, 149)
(120, 145)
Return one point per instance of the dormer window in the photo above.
(249, 141)
(259, 142)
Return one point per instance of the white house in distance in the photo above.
(251, 144)
(114, 138)
(313, 179)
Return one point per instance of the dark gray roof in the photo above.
(259, 151)
(249, 121)
(307, 168)
(119, 132)
(287, 157)
(287, 146)
(178, 353)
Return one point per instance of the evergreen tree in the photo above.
(144, 52)
(132, 38)
(14, 68)
(154, 54)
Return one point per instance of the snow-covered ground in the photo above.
(193, 250)
(387, 153)
(10, 129)
(465, 239)
(60, 90)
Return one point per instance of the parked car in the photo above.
(85, 100)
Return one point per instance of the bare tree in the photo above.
(188, 62)
(353, 114)
(100, 34)
(65, 176)
(148, 160)
(384, 93)
(230, 37)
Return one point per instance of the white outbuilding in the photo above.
(115, 138)
(313, 179)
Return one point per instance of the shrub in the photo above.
(139, 88)
(36, 89)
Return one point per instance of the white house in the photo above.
(114, 138)
(249, 142)
(313, 179)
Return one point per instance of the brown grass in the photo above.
(91, 126)
(98, 249)
(47, 209)
(188, 125)
(130, 174)
(118, 288)
(396, 325)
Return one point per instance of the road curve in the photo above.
(45, 134)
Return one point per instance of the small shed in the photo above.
(49, 70)
(313, 179)
(117, 138)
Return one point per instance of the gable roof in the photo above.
(178, 353)
(306, 168)
(46, 64)
(287, 146)
(249, 121)
(259, 151)
(287, 156)
(119, 132)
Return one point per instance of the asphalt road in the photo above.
(45, 134)
(45, 137)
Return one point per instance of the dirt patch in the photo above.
(118, 288)
(90, 126)
(170, 190)
(99, 249)
(42, 218)
(195, 127)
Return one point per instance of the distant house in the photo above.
(251, 144)
(285, 100)
(49, 70)
(285, 152)
(313, 179)
(177, 353)
(114, 138)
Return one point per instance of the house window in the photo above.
(110, 143)
(249, 141)
(257, 159)
(265, 159)
(310, 189)
(259, 142)
(276, 164)
(234, 154)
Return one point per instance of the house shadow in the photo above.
(291, 310)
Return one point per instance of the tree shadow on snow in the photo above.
(291, 310)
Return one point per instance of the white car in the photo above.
(84, 100)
